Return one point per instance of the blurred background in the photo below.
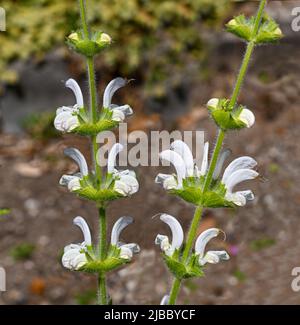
(179, 56)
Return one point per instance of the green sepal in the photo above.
(225, 117)
(88, 47)
(110, 263)
(104, 123)
(268, 32)
(90, 190)
(213, 198)
(181, 270)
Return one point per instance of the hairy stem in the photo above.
(217, 149)
(102, 294)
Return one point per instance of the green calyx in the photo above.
(192, 192)
(110, 263)
(181, 270)
(92, 191)
(225, 116)
(88, 47)
(268, 32)
(89, 128)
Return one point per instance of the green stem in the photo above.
(221, 135)
(174, 291)
(102, 294)
(83, 19)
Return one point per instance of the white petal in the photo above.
(125, 109)
(112, 156)
(213, 102)
(204, 164)
(239, 163)
(118, 116)
(214, 257)
(248, 195)
(74, 184)
(165, 300)
(79, 261)
(178, 163)
(73, 85)
(118, 227)
(128, 250)
(60, 120)
(238, 177)
(176, 229)
(160, 178)
(223, 156)
(204, 238)
(126, 185)
(72, 255)
(164, 243)
(111, 88)
(71, 123)
(184, 151)
(236, 198)
(247, 117)
(82, 224)
(78, 157)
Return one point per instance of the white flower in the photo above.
(126, 250)
(177, 235)
(239, 170)
(73, 181)
(247, 117)
(212, 257)
(118, 112)
(125, 182)
(74, 256)
(66, 118)
(181, 157)
(165, 300)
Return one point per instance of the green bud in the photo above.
(228, 119)
(268, 32)
(88, 47)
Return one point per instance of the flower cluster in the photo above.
(76, 118)
(188, 182)
(172, 250)
(116, 185)
(84, 256)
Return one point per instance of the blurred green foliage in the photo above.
(22, 252)
(40, 125)
(4, 212)
(153, 40)
(262, 243)
(87, 297)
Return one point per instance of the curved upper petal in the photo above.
(176, 229)
(204, 238)
(112, 156)
(73, 85)
(239, 163)
(82, 224)
(111, 88)
(118, 227)
(78, 157)
(178, 163)
(238, 177)
(204, 164)
(184, 151)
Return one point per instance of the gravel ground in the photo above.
(263, 238)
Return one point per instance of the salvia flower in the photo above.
(67, 119)
(189, 180)
(172, 251)
(118, 112)
(73, 181)
(116, 185)
(126, 250)
(74, 257)
(83, 257)
(212, 257)
(124, 182)
(228, 118)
